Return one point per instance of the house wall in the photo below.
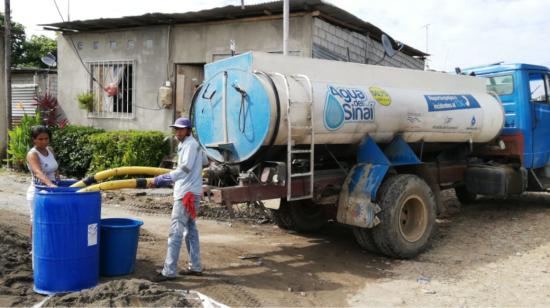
(204, 43)
(148, 48)
(332, 42)
(191, 44)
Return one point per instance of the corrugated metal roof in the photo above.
(328, 11)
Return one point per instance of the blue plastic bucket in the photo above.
(119, 242)
(66, 241)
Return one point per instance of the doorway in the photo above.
(188, 78)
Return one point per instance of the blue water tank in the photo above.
(66, 240)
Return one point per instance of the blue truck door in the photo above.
(539, 102)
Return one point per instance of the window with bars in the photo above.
(112, 85)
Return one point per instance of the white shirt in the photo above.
(188, 174)
(48, 165)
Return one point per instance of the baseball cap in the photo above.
(182, 123)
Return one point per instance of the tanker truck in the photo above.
(366, 146)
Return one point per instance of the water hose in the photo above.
(93, 179)
(119, 184)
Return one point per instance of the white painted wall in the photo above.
(150, 54)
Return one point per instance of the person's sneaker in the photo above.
(188, 272)
(160, 278)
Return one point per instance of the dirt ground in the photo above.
(492, 253)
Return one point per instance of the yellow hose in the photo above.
(119, 184)
(120, 171)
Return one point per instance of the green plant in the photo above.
(127, 148)
(72, 149)
(86, 101)
(20, 140)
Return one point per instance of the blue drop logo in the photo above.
(334, 113)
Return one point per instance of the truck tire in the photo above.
(407, 218)
(464, 196)
(364, 238)
(282, 218)
(306, 216)
(302, 216)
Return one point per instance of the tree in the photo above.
(28, 53)
(34, 49)
(17, 39)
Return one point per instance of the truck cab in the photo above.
(523, 90)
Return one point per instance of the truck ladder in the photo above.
(304, 130)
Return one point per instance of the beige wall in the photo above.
(191, 44)
(203, 43)
(149, 50)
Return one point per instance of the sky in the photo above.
(456, 33)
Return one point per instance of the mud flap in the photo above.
(355, 204)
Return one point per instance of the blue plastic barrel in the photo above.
(62, 185)
(65, 182)
(119, 242)
(66, 240)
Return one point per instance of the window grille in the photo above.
(112, 86)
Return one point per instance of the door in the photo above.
(188, 78)
(539, 101)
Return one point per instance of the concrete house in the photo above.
(143, 70)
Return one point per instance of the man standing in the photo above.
(187, 180)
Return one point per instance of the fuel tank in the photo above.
(247, 103)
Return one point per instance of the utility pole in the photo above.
(426, 66)
(7, 68)
(426, 26)
(285, 26)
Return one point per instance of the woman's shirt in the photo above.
(48, 165)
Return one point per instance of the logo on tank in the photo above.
(344, 104)
(380, 95)
(446, 102)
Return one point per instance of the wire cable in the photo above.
(58, 11)
(75, 49)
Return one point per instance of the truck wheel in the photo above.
(282, 218)
(464, 196)
(407, 216)
(302, 216)
(306, 216)
(363, 236)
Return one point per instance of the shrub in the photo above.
(127, 148)
(72, 149)
(20, 141)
